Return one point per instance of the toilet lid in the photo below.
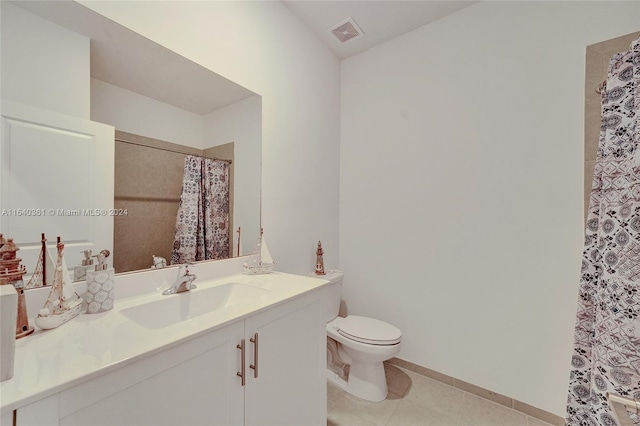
(369, 330)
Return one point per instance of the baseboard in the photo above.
(527, 409)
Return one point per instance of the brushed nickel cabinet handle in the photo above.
(254, 366)
(241, 372)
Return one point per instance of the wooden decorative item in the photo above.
(319, 260)
(63, 303)
(11, 272)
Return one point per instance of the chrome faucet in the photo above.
(184, 281)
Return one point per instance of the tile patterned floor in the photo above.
(415, 400)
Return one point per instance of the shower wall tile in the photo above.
(589, 167)
(596, 66)
(127, 230)
(126, 170)
(595, 69)
(148, 184)
(592, 122)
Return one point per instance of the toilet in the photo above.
(357, 347)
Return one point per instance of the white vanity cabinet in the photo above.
(193, 383)
(290, 387)
(197, 382)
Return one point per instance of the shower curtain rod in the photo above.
(171, 150)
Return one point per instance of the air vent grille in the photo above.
(346, 31)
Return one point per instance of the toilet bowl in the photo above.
(360, 342)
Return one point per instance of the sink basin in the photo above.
(175, 308)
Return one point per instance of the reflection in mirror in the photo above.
(162, 107)
(148, 182)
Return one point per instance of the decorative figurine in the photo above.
(11, 272)
(264, 263)
(158, 262)
(63, 302)
(39, 275)
(319, 261)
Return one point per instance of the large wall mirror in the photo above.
(162, 107)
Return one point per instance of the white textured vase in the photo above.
(99, 295)
(9, 316)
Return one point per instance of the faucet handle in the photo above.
(184, 280)
(184, 269)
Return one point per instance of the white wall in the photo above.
(43, 64)
(263, 47)
(461, 189)
(134, 113)
(241, 123)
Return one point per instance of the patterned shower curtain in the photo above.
(606, 357)
(202, 223)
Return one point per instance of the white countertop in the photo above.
(89, 345)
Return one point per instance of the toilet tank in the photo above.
(332, 293)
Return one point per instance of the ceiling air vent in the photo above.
(346, 31)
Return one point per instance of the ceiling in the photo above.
(123, 58)
(379, 20)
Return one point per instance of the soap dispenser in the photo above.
(99, 295)
(80, 271)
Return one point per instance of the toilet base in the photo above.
(365, 381)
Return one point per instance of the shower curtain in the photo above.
(606, 355)
(202, 223)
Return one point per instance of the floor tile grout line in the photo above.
(394, 410)
(464, 396)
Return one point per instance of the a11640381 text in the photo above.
(62, 212)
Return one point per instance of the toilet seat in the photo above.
(368, 330)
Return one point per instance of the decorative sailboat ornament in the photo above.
(63, 303)
(264, 263)
(43, 272)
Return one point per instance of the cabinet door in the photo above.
(196, 385)
(44, 412)
(290, 387)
